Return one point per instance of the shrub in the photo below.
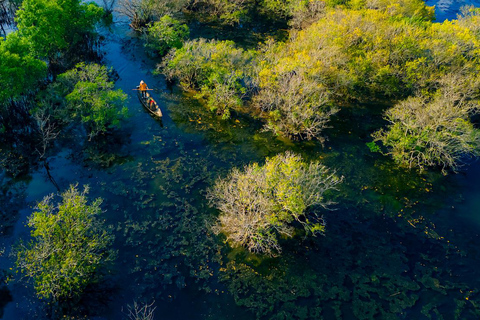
(432, 131)
(165, 34)
(20, 71)
(262, 202)
(91, 98)
(296, 105)
(53, 26)
(220, 71)
(68, 248)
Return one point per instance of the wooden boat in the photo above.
(156, 109)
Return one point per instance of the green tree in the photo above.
(218, 69)
(434, 132)
(54, 26)
(262, 202)
(91, 98)
(165, 34)
(20, 71)
(69, 246)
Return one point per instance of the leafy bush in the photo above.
(91, 98)
(165, 34)
(220, 71)
(261, 202)
(20, 71)
(53, 26)
(69, 246)
(432, 131)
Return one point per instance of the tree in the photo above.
(20, 71)
(218, 69)
(296, 105)
(91, 99)
(434, 131)
(69, 246)
(262, 202)
(51, 27)
(165, 34)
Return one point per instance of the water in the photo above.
(448, 9)
(398, 245)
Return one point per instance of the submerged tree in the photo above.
(91, 98)
(165, 34)
(20, 70)
(69, 246)
(218, 69)
(261, 203)
(52, 27)
(143, 12)
(427, 132)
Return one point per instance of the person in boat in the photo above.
(143, 89)
(152, 104)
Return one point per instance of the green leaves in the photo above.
(69, 245)
(165, 34)
(51, 26)
(261, 202)
(220, 70)
(20, 71)
(91, 99)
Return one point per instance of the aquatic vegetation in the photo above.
(399, 244)
(259, 204)
(69, 246)
(359, 275)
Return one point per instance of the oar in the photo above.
(141, 90)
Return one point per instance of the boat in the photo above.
(156, 110)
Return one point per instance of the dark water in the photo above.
(399, 245)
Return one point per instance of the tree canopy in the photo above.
(261, 202)
(69, 245)
(53, 26)
(20, 70)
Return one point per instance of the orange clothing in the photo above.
(143, 86)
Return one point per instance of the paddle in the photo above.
(141, 90)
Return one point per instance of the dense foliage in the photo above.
(356, 51)
(55, 26)
(260, 203)
(165, 34)
(431, 132)
(47, 29)
(91, 98)
(68, 248)
(221, 72)
(20, 70)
